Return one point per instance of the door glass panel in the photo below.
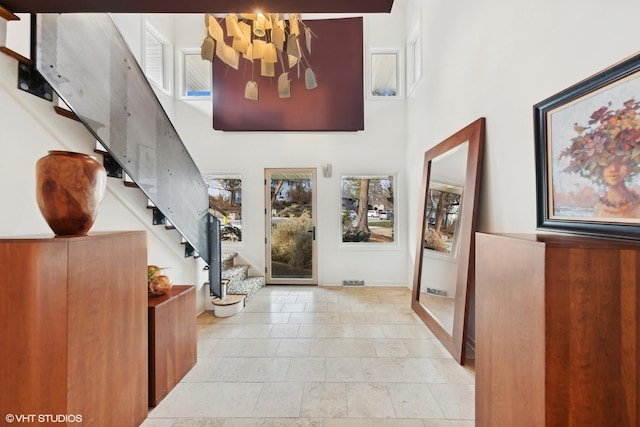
(291, 225)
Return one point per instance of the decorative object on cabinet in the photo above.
(441, 295)
(557, 337)
(157, 281)
(69, 190)
(73, 327)
(588, 155)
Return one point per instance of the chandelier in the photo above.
(270, 41)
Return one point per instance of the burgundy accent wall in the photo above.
(337, 104)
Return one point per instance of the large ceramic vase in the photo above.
(69, 189)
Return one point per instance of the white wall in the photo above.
(496, 59)
(380, 149)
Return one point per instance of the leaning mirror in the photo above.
(443, 275)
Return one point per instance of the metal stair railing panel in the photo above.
(87, 62)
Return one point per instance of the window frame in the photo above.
(167, 58)
(182, 76)
(395, 244)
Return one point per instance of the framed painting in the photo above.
(588, 155)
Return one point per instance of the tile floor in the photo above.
(321, 357)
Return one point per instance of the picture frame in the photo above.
(587, 152)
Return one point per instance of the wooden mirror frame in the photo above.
(454, 342)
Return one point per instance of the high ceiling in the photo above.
(198, 6)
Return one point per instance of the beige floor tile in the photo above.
(197, 400)
(311, 330)
(448, 423)
(297, 307)
(343, 369)
(316, 307)
(420, 370)
(305, 369)
(187, 422)
(219, 331)
(302, 318)
(457, 401)
(386, 347)
(361, 308)
(298, 422)
(261, 347)
(339, 331)
(427, 348)
(253, 331)
(248, 422)
(369, 400)
(414, 401)
(328, 400)
(398, 423)
(294, 347)
(379, 369)
(338, 307)
(369, 331)
(342, 347)
(220, 347)
(383, 307)
(398, 331)
(251, 369)
(453, 373)
(258, 318)
(348, 317)
(348, 422)
(279, 400)
(286, 299)
(203, 369)
(285, 330)
(162, 422)
(263, 307)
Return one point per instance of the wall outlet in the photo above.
(437, 292)
(353, 283)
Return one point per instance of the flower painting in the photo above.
(588, 154)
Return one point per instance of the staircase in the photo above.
(240, 281)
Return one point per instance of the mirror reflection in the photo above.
(441, 234)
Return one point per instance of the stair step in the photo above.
(66, 113)
(99, 147)
(129, 182)
(7, 15)
(248, 286)
(16, 55)
(235, 274)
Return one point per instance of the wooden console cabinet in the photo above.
(557, 331)
(73, 328)
(172, 339)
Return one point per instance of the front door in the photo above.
(291, 226)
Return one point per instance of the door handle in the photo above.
(313, 233)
